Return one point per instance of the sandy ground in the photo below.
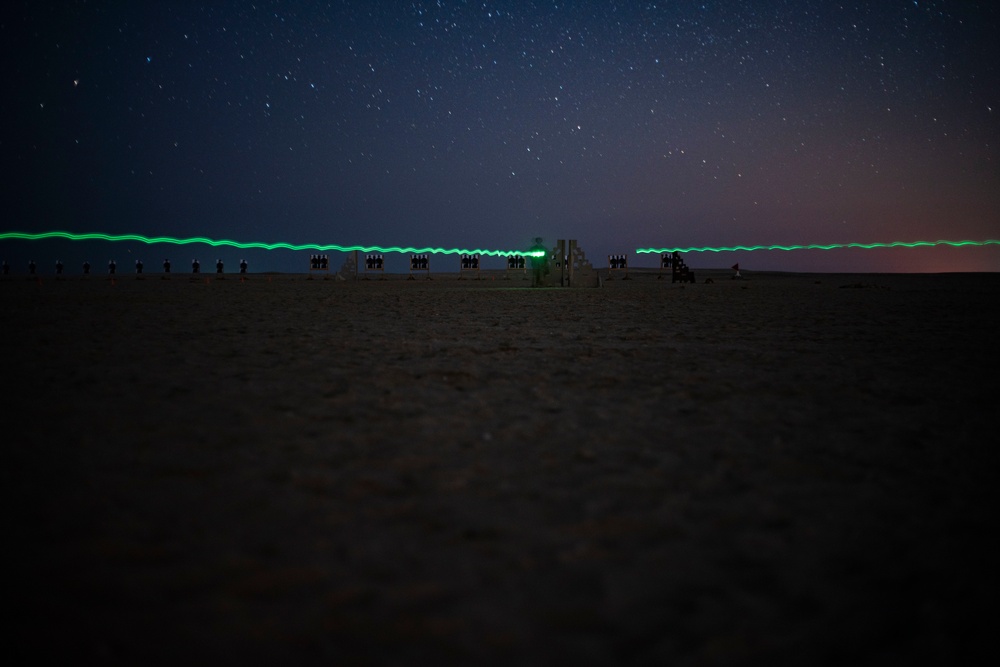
(789, 469)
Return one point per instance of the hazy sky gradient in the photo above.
(485, 124)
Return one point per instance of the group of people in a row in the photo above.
(617, 261)
(319, 262)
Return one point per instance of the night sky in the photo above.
(486, 124)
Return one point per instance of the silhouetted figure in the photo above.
(86, 268)
(664, 264)
(218, 266)
(6, 268)
(243, 266)
(138, 267)
(539, 262)
(59, 268)
(31, 267)
(195, 266)
(111, 268)
(166, 266)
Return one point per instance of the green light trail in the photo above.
(264, 246)
(457, 251)
(829, 246)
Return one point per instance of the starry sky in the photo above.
(485, 124)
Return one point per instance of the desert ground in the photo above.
(786, 469)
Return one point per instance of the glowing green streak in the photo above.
(830, 246)
(264, 246)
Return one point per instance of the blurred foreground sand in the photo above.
(792, 469)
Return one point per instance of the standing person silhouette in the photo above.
(539, 262)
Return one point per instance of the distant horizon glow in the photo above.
(828, 246)
(150, 240)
